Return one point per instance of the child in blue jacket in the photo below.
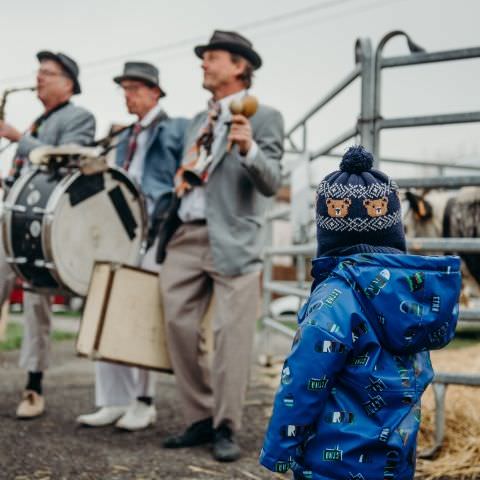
(348, 406)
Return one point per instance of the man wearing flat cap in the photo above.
(61, 122)
(216, 249)
(151, 151)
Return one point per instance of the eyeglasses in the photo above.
(130, 88)
(48, 73)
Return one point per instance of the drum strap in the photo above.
(85, 187)
(41, 119)
(124, 212)
(18, 161)
(107, 144)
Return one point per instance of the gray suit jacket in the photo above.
(238, 191)
(70, 124)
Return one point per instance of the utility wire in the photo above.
(275, 31)
(189, 41)
(242, 27)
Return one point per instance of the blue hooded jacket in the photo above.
(348, 406)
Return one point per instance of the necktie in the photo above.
(199, 155)
(132, 145)
(206, 136)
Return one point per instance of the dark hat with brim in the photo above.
(231, 42)
(69, 66)
(142, 71)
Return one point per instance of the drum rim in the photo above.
(10, 201)
(48, 219)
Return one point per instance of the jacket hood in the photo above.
(411, 300)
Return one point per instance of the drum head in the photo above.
(93, 218)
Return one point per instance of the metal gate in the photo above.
(368, 69)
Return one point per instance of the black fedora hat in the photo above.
(143, 71)
(232, 42)
(69, 66)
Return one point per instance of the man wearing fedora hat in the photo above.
(216, 250)
(151, 151)
(61, 122)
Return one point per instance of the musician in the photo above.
(61, 122)
(151, 151)
(217, 249)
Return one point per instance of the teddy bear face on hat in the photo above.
(358, 205)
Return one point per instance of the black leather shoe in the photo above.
(197, 433)
(225, 448)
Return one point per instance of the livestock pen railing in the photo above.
(370, 123)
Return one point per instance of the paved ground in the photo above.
(53, 447)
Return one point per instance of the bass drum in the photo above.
(55, 226)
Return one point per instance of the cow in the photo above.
(448, 214)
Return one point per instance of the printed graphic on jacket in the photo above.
(348, 402)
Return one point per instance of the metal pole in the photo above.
(366, 121)
(429, 120)
(347, 135)
(304, 137)
(433, 57)
(440, 182)
(378, 84)
(267, 294)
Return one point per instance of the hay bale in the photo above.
(459, 457)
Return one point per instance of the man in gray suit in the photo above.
(60, 123)
(216, 250)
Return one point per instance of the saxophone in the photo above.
(6, 93)
(3, 102)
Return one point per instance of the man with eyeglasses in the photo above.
(60, 123)
(151, 151)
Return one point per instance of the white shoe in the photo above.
(138, 416)
(103, 417)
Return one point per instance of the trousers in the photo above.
(188, 281)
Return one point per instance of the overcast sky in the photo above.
(307, 46)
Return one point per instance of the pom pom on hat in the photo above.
(356, 160)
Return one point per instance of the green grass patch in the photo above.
(60, 335)
(67, 313)
(14, 335)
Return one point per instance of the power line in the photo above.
(242, 27)
(353, 11)
(189, 41)
(364, 8)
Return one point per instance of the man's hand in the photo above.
(241, 133)
(9, 132)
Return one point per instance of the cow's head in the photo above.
(421, 208)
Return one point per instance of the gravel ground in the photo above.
(54, 447)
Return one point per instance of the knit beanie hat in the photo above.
(358, 205)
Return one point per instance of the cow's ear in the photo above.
(422, 209)
(366, 203)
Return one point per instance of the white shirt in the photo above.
(192, 206)
(136, 165)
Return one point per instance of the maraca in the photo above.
(246, 106)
